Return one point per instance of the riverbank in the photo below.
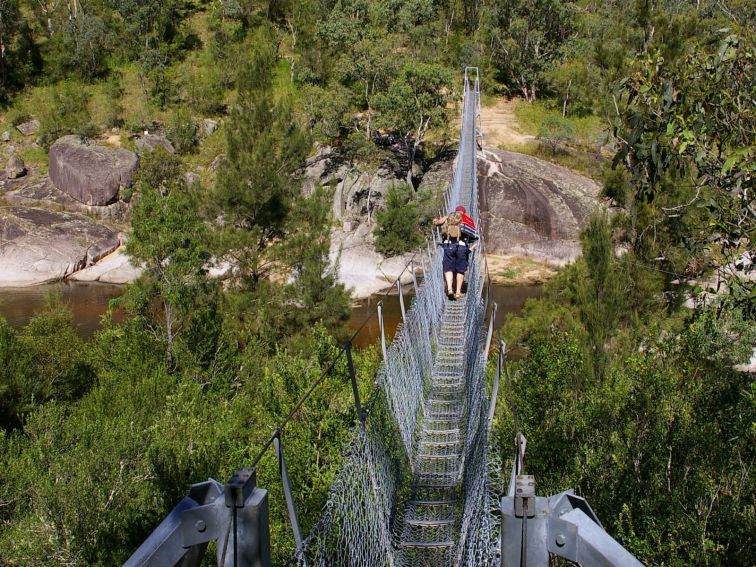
(89, 301)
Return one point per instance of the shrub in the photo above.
(114, 92)
(65, 113)
(553, 131)
(397, 229)
(182, 132)
(205, 91)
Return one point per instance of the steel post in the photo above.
(286, 481)
(247, 539)
(353, 379)
(401, 297)
(383, 331)
(490, 330)
(495, 390)
(563, 525)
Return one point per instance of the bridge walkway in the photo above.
(430, 525)
(431, 516)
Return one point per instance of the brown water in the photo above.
(508, 300)
(89, 301)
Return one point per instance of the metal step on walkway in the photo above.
(429, 527)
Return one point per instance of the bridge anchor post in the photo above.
(234, 514)
(564, 525)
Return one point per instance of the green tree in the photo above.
(370, 64)
(170, 239)
(417, 99)
(686, 139)
(525, 38)
(255, 188)
(600, 297)
(9, 28)
(80, 47)
(313, 287)
(397, 228)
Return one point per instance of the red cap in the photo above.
(460, 209)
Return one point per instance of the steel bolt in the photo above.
(200, 525)
(561, 540)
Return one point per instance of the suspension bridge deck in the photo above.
(431, 517)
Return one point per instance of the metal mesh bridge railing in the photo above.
(414, 486)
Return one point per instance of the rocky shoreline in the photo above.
(66, 225)
(69, 224)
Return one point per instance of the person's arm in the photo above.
(440, 221)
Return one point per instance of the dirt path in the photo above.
(500, 125)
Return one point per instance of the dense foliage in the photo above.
(622, 393)
(636, 404)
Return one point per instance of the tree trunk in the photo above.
(169, 335)
(370, 194)
(370, 110)
(566, 98)
(448, 27)
(411, 149)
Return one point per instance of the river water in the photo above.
(89, 301)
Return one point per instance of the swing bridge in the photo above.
(418, 484)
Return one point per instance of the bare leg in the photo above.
(449, 276)
(460, 281)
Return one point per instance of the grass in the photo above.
(581, 154)
(586, 163)
(34, 155)
(588, 129)
(511, 270)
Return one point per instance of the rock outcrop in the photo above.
(533, 207)
(115, 268)
(41, 192)
(38, 245)
(89, 173)
(15, 168)
(150, 142)
(352, 185)
(360, 267)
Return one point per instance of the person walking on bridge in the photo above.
(459, 236)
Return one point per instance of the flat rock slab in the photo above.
(42, 192)
(90, 173)
(360, 268)
(39, 246)
(28, 128)
(115, 268)
(533, 207)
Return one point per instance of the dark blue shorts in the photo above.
(456, 258)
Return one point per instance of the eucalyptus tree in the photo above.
(525, 38)
(686, 131)
(414, 102)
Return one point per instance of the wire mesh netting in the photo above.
(414, 487)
